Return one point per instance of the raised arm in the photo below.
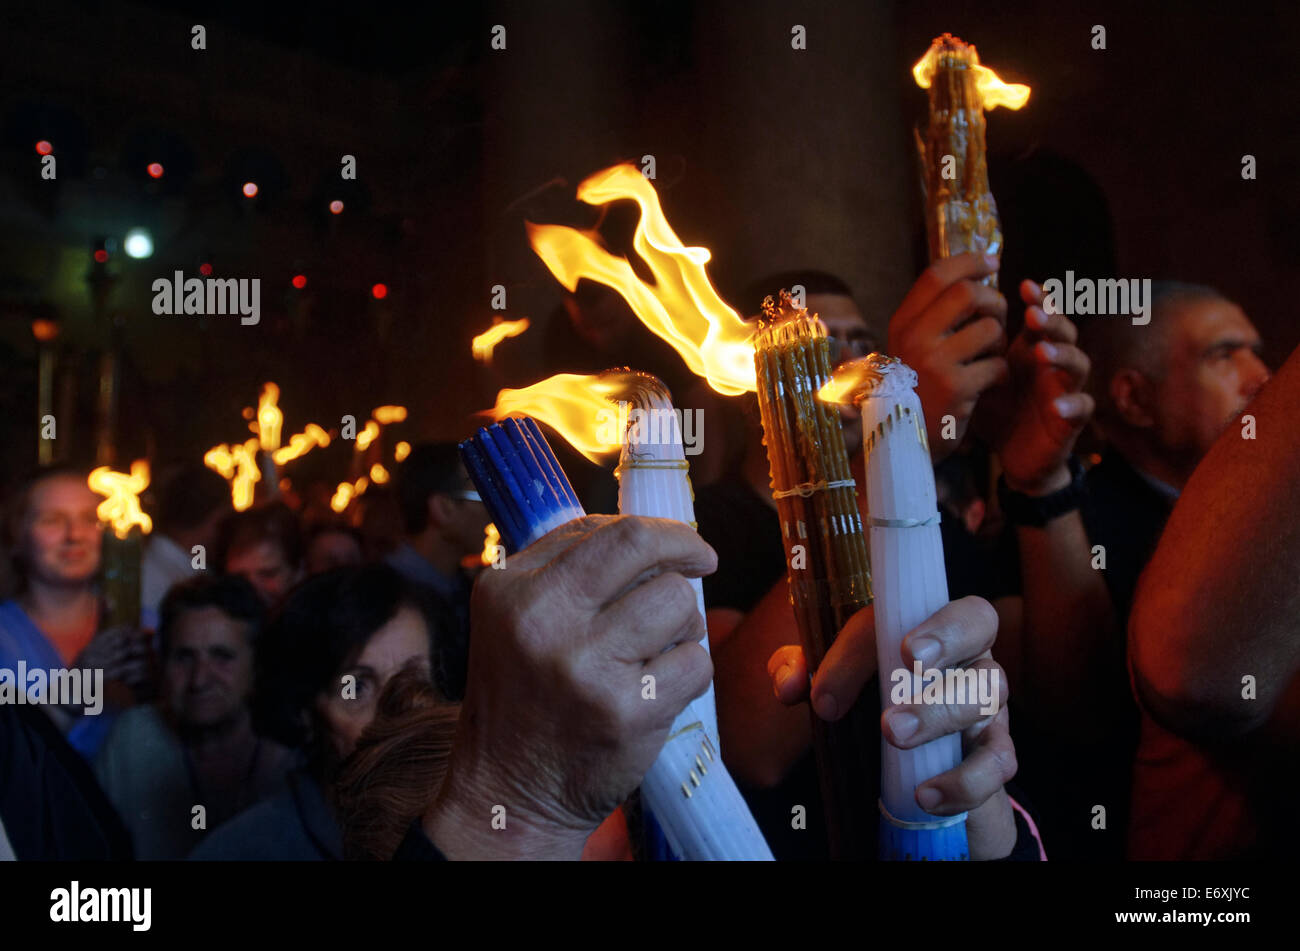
(1220, 600)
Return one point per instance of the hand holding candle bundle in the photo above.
(910, 585)
(687, 788)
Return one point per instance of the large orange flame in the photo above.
(993, 91)
(483, 345)
(238, 466)
(578, 407)
(681, 306)
(121, 505)
(269, 418)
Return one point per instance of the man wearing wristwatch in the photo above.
(1163, 392)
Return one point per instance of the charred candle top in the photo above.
(872, 375)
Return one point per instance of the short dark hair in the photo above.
(273, 522)
(322, 627)
(1116, 343)
(230, 594)
(189, 496)
(429, 469)
(813, 282)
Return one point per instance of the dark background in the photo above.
(773, 158)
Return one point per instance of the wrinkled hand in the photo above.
(554, 726)
(958, 635)
(1044, 406)
(955, 360)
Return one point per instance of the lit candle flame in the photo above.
(301, 443)
(237, 465)
(491, 539)
(378, 474)
(993, 91)
(269, 418)
(384, 415)
(121, 491)
(577, 407)
(681, 305)
(367, 435)
(851, 380)
(401, 450)
(346, 492)
(483, 345)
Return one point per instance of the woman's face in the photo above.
(61, 533)
(349, 705)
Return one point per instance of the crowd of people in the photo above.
(298, 688)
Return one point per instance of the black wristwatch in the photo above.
(1037, 511)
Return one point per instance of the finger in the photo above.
(601, 564)
(1074, 408)
(978, 693)
(981, 774)
(789, 673)
(1031, 293)
(982, 337)
(680, 675)
(937, 278)
(650, 617)
(974, 378)
(557, 540)
(954, 635)
(956, 304)
(848, 665)
(1065, 357)
(1059, 327)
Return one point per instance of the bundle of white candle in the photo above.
(909, 583)
(688, 789)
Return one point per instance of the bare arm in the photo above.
(1220, 600)
(761, 739)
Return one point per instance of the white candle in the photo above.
(909, 584)
(688, 789)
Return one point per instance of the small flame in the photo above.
(577, 407)
(401, 450)
(346, 492)
(378, 474)
(491, 539)
(850, 380)
(483, 345)
(681, 305)
(993, 91)
(385, 415)
(121, 505)
(269, 418)
(301, 443)
(238, 466)
(367, 435)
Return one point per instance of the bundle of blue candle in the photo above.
(520, 481)
(687, 789)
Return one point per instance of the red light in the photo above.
(44, 148)
(380, 291)
(101, 256)
(336, 207)
(250, 189)
(155, 170)
(300, 281)
(205, 269)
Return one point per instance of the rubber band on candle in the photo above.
(680, 465)
(903, 522)
(806, 489)
(941, 822)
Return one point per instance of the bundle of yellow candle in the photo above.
(826, 555)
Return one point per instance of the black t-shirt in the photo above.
(1068, 778)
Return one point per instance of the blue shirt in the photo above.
(21, 639)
